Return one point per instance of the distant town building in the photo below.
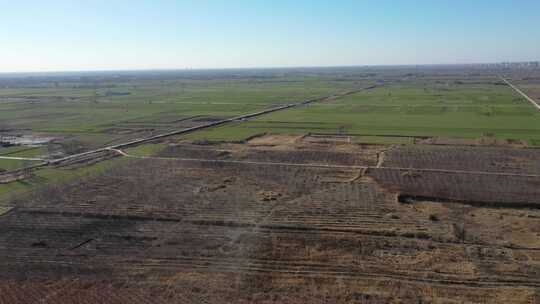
(518, 65)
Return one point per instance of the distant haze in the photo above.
(69, 35)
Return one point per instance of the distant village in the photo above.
(515, 65)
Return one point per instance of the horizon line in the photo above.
(256, 68)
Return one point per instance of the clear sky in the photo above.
(59, 35)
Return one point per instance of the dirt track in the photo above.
(520, 92)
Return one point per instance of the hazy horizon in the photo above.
(62, 36)
(262, 68)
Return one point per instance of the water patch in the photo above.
(24, 140)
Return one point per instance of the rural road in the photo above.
(520, 92)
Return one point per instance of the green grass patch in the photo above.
(12, 164)
(534, 142)
(229, 132)
(6, 151)
(30, 152)
(146, 149)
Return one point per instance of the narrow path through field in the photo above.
(21, 158)
(520, 92)
(382, 155)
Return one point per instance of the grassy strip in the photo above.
(5, 151)
(12, 164)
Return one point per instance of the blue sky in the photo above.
(59, 35)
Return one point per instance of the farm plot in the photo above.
(477, 189)
(409, 109)
(533, 90)
(185, 230)
(527, 80)
(514, 177)
(491, 159)
(280, 149)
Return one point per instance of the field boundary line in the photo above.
(520, 92)
(247, 162)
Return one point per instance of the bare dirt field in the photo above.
(253, 228)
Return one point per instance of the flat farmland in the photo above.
(431, 109)
(402, 185)
(98, 111)
(255, 230)
(533, 90)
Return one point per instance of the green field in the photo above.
(77, 110)
(8, 164)
(459, 111)
(114, 112)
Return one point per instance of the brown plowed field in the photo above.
(170, 231)
(506, 160)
